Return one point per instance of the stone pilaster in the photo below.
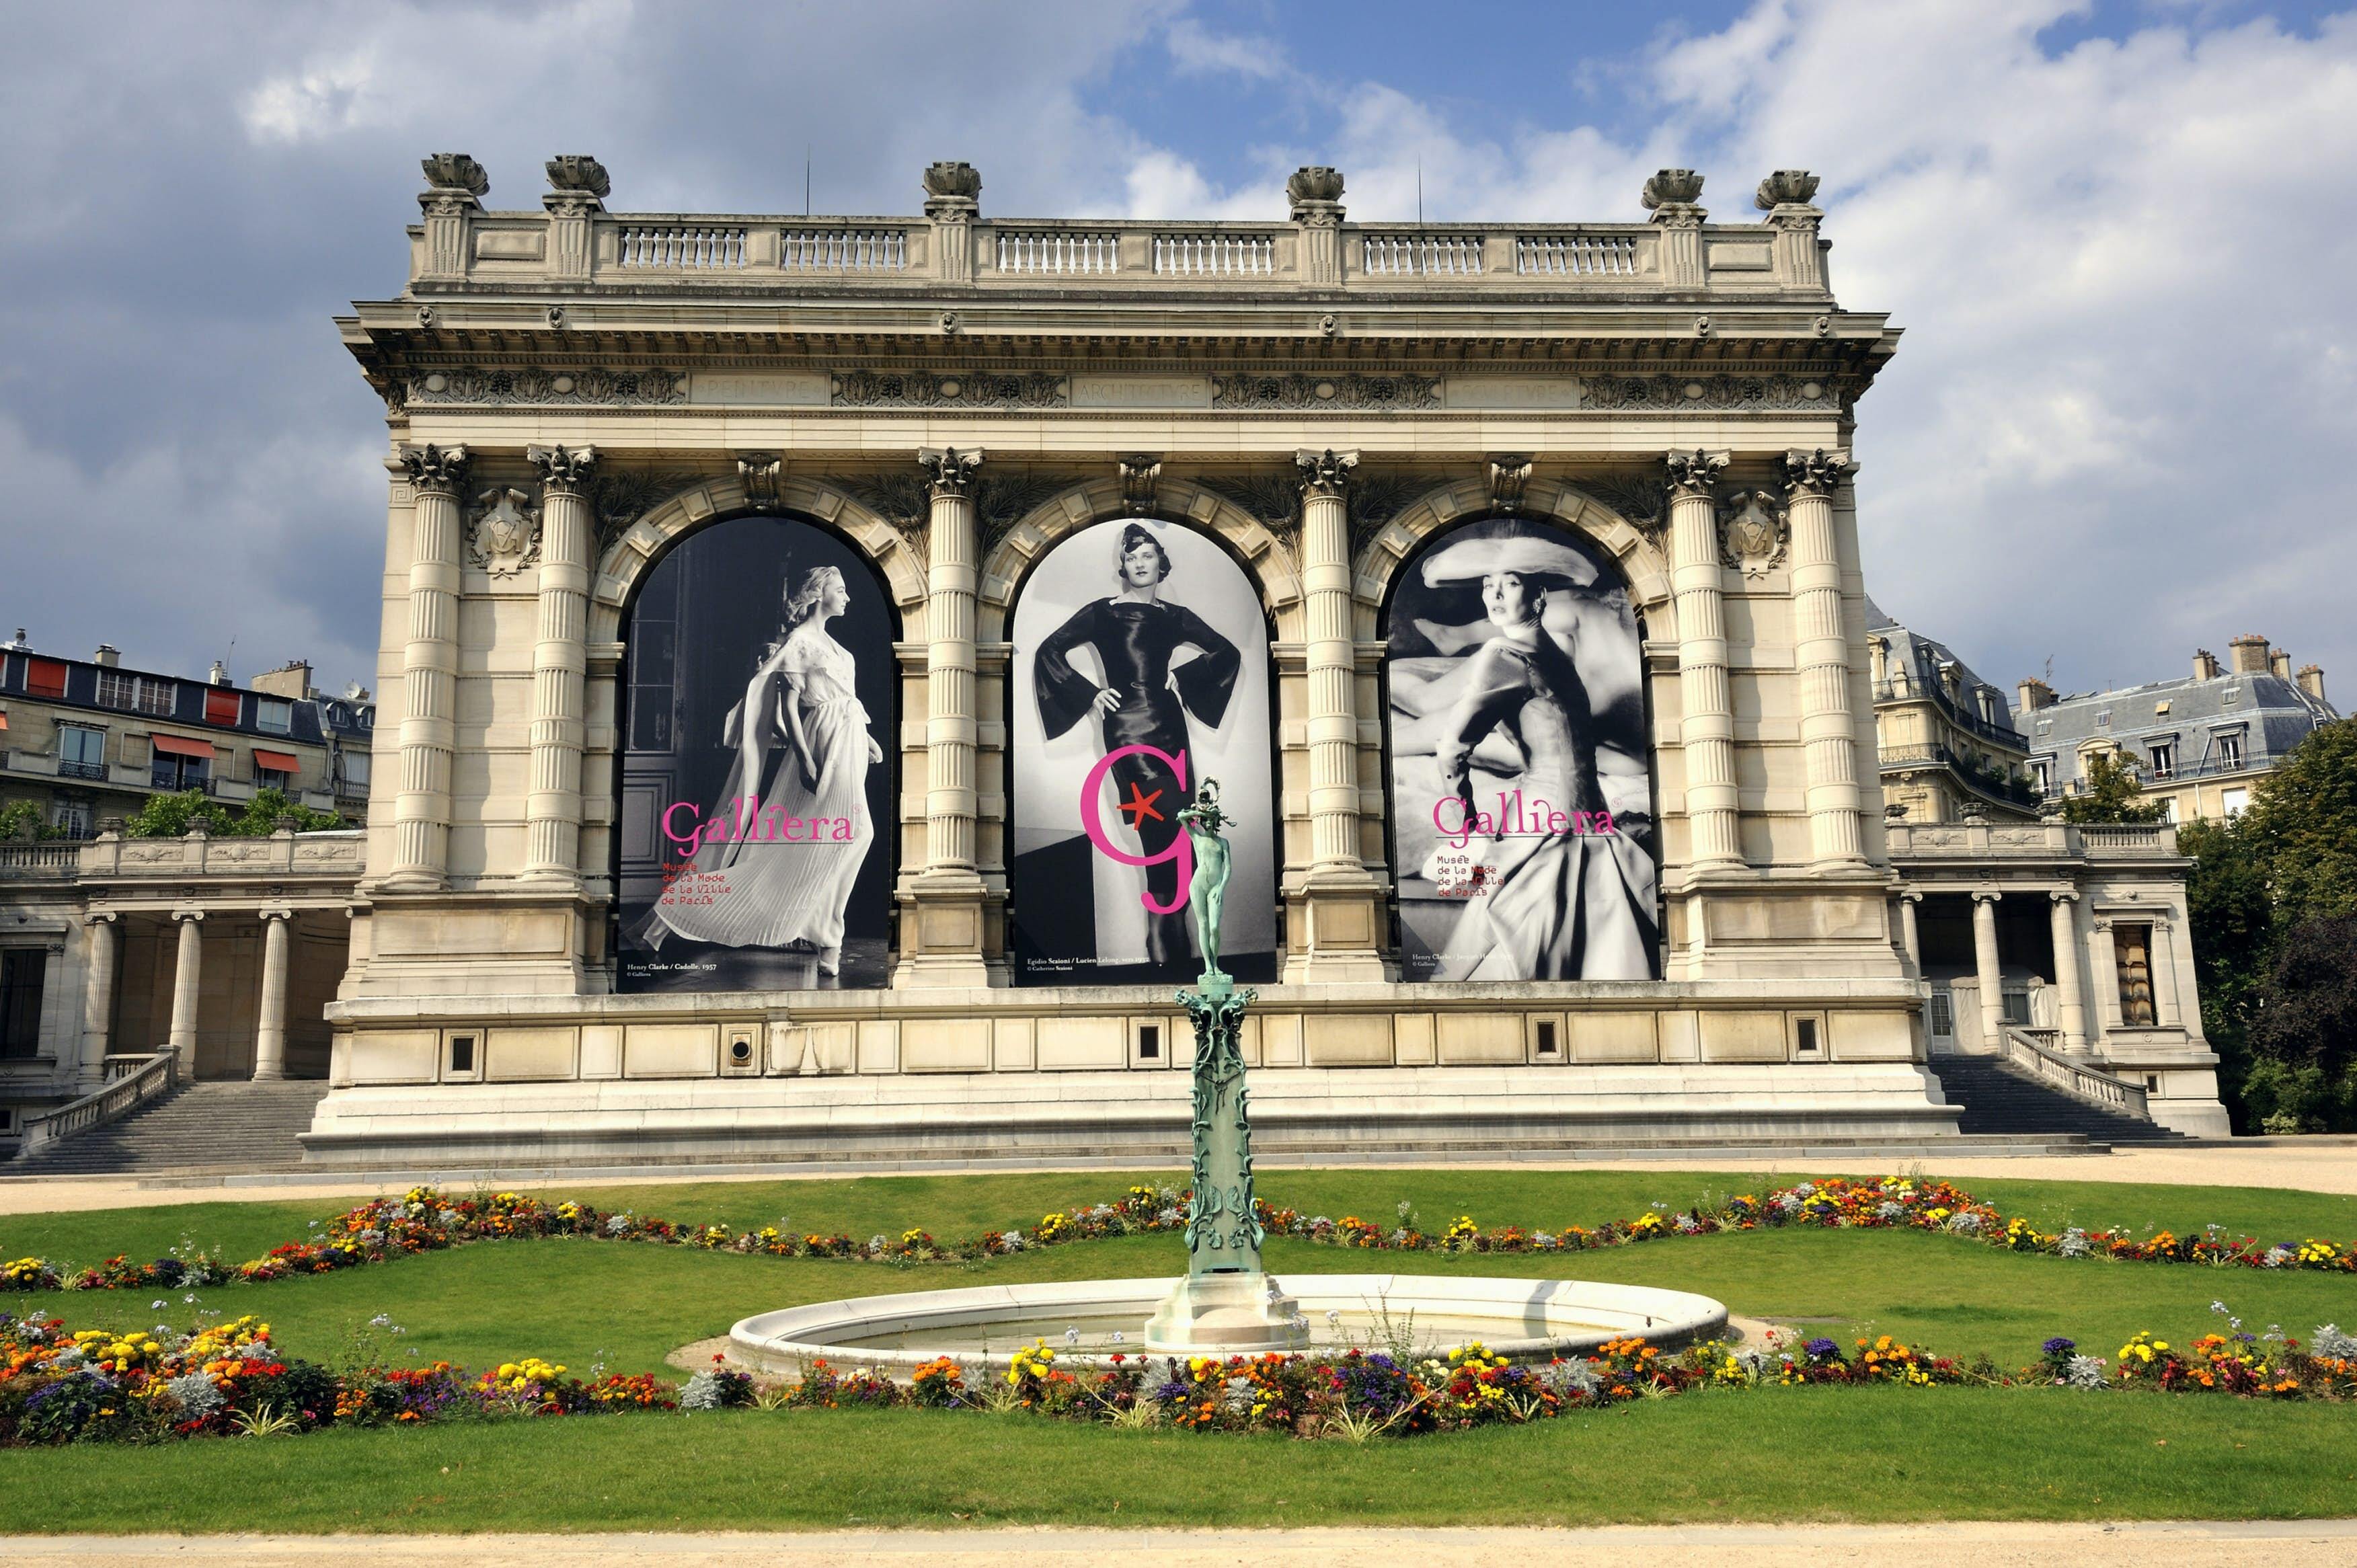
(1908, 936)
(1706, 718)
(1785, 196)
(456, 185)
(953, 200)
(1316, 195)
(578, 185)
(1820, 656)
(1670, 199)
(941, 906)
(559, 660)
(429, 670)
(1339, 904)
(98, 1001)
(2071, 1003)
(270, 1035)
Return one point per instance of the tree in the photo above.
(169, 816)
(2111, 795)
(2273, 896)
(23, 819)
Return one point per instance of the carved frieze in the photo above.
(954, 389)
(467, 385)
(1718, 394)
(1641, 500)
(505, 535)
(1753, 532)
(1360, 393)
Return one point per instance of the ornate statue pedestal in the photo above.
(1226, 1315)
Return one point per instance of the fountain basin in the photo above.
(986, 1326)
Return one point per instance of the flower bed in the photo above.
(428, 1221)
(227, 1379)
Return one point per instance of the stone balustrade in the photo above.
(198, 855)
(2047, 841)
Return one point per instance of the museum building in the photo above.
(800, 633)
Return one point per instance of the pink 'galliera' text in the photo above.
(744, 821)
(1515, 818)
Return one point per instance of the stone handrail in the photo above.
(159, 1075)
(2074, 1078)
(38, 859)
(701, 250)
(332, 854)
(2129, 838)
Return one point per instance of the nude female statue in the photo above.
(1207, 891)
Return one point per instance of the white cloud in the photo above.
(1195, 50)
(317, 98)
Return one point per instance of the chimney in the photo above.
(2035, 694)
(291, 679)
(2205, 664)
(107, 657)
(2248, 653)
(219, 676)
(2312, 680)
(2279, 662)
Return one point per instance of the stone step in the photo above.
(201, 1126)
(1998, 1098)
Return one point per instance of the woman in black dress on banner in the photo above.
(1145, 700)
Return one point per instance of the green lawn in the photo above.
(1786, 1454)
(1806, 1454)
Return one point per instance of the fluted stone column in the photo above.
(953, 200)
(1985, 966)
(98, 999)
(429, 670)
(1785, 196)
(1908, 936)
(1707, 722)
(2070, 1006)
(1316, 195)
(1821, 655)
(188, 976)
(560, 657)
(1670, 199)
(1341, 937)
(270, 1036)
(941, 937)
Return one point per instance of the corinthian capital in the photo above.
(1694, 475)
(950, 469)
(1815, 473)
(430, 468)
(1325, 473)
(562, 468)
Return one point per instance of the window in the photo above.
(2041, 770)
(355, 767)
(274, 714)
(81, 751)
(21, 972)
(2168, 807)
(2229, 751)
(268, 778)
(2132, 954)
(2164, 758)
(1943, 1014)
(1149, 1042)
(177, 771)
(45, 678)
(2231, 801)
(69, 817)
(2013, 1006)
(221, 707)
(135, 693)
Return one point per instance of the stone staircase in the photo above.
(1999, 1098)
(201, 1129)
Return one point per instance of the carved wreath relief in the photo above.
(1753, 532)
(507, 531)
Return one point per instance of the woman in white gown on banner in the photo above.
(801, 714)
(1561, 904)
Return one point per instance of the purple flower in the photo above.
(1822, 1349)
(2058, 1346)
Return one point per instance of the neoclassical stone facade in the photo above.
(573, 393)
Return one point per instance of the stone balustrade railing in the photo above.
(576, 244)
(2033, 841)
(334, 854)
(2075, 1078)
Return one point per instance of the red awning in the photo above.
(276, 761)
(173, 746)
(4, 721)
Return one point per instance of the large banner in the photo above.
(757, 816)
(1522, 824)
(1140, 669)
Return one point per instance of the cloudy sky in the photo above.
(2120, 237)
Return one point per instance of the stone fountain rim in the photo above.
(797, 1335)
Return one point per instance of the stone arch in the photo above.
(1643, 563)
(627, 560)
(1267, 559)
